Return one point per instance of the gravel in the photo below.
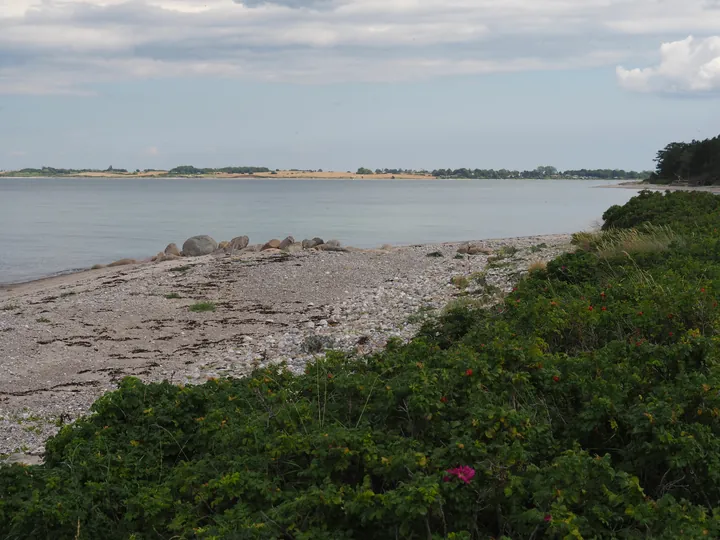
(65, 341)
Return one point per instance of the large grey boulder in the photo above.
(172, 249)
(239, 242)
(199, 245)
(289, 241)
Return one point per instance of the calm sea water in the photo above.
(50, 225)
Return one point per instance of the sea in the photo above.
(50, 226)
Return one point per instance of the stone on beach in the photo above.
(286, 243)
(122, 262)
(473, 249)
(224, 244)
(272, 244)
(309, 244)
(198, 246)
(239, 242)
(331, 245)
(172, 249)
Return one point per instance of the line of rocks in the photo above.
(198, 246)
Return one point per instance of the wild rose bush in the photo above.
(585, 405)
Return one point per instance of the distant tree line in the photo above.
(189, 169)
(542, 172)
(695, 163)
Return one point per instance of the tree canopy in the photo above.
(695, 163)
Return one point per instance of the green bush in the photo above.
(586, 404)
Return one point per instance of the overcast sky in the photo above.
(338, 84)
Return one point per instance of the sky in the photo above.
(339, 84)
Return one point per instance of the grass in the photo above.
(181, 268)
(626, 242)
(172, 296)
(538, 248)
(66, 294)
(461, 282)
(435, 254)
(202, 307)
(459, 256)
(42, 320)
(9, 307)
(537, 266)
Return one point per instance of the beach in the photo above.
(66, 340)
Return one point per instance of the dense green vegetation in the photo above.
(542, 172)
(190, 170)
(585, 405)
(52, 171)
(694, 163)
(539, 172)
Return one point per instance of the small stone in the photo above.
(172, 249)
(223, 245)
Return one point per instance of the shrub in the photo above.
(585, 404)
(201, 307)
(172, 296)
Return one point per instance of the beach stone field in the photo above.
(66, 340)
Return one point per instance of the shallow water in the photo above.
(51, 225)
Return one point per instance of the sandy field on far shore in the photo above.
(66, 340)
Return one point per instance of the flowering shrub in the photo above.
(533, 419)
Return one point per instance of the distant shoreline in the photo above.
(662, 187)
(278, 175)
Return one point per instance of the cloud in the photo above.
(294, 4)
(69, 46)
(687, 66)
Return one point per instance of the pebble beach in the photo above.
(66, 340)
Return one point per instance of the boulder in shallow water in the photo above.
(272, 244)
(172, 249)
(123, 262)
(98, 267)
(289, 241)
(239, 242)
(198, 246)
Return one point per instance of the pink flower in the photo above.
(548, 518)
(463, 473)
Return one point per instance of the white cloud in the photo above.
(687, 66)
(64, 46)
